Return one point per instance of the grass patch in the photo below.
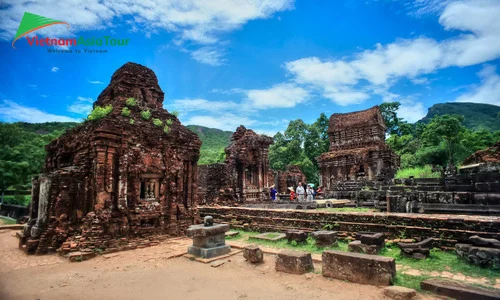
(417, 172)
(410, 281)
(283, 244)
(6, 221)
(440, 261)
(347, 209)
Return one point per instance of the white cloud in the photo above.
(353, 79)
(280, 95)
(85, 99)
(13, 112)
(209, 55)
(188, 105)
(95, 82)
(192, 21)
(82, 106)
(488, 91)
(54, 69)
(224, 121)
(411, 111)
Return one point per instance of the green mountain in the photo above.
(47, 127)
(214, 142)
(476, 115)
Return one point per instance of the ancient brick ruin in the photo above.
(357, 149)
(117, 182)
(243, 178)
(289, 178)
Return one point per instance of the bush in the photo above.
(131, 102)
(145, 114)
(175, 113)
(157, 122)
(166, 129)
(100, 112)
(131, 122)
(125, 112)
(418, 172)
(168, 122)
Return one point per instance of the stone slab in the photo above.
(294, 262)
(458, 290)
(209, 252)
(399, 293)
(358, 247)
(232, 233)
(202, 230)
(264, 236)
(358, 268)
(325, 238)
(296, 235)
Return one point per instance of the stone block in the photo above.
(399, 293)
(358, 268)
(294, 262)
(209, 241)
(269, 236)
(296, 235)
(484, 242)
(325, 238)
(209, 252)
(358, 247)
(202, 230)
(458, 290)
(253, 254)
(231, 233)
(373, 239)
(482, 256)
(427, 243)
(418, 253)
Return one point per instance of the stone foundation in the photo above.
(447, 230)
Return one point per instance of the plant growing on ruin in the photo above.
(131, 122)
(157, 122)
(146, 114)
(175, 113)
(125, 112)
(100, 112)
(166, 129)
(168, 122)
(131, 102)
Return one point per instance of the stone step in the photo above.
(458, 290)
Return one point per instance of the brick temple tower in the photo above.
(127, 175)
(357, 149)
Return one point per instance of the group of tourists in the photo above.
(308, 194)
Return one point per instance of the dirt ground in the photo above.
(160, 272)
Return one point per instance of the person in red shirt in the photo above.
(292, 193)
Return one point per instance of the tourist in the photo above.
(292, 193)
(273, 193)
(300, 192)
(319, 191)
(309, 193)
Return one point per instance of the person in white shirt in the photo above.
(300, 192)
(309, 193)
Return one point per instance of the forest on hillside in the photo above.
(437, 141)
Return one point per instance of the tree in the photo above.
(448, 128)
(389, 113)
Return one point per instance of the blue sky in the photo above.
(263, 63)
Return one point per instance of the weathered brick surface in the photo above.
(111, 184)
(359, 268)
